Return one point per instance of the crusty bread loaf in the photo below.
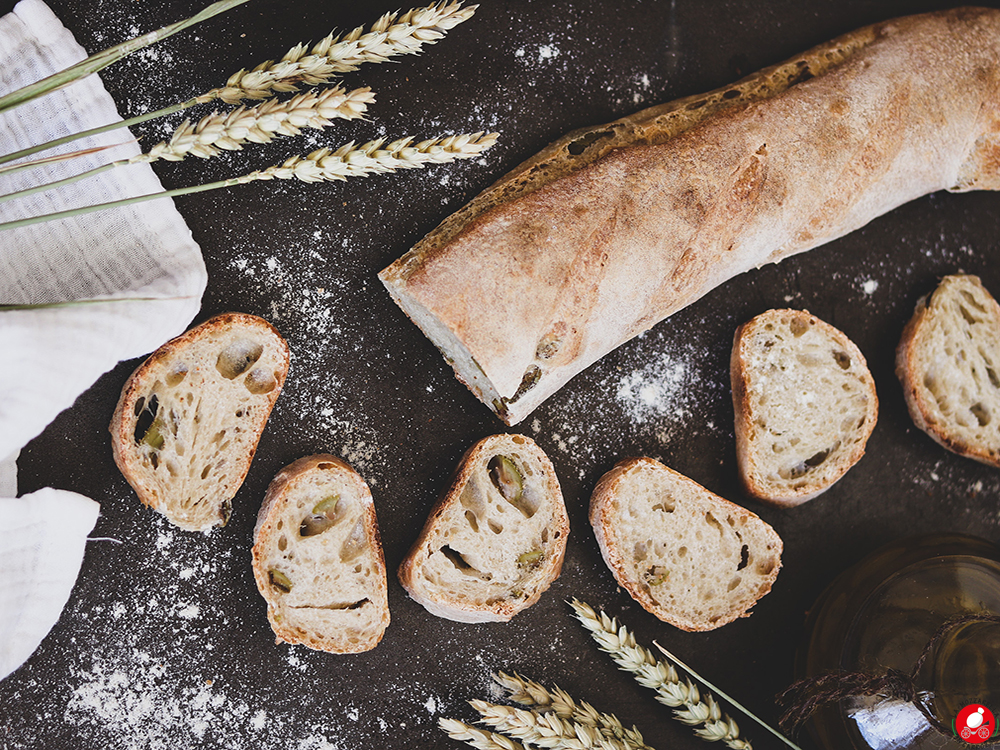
(805, 405)
(496, 538)
(949, 364)
(189, 418)
(317, 558)
(614, 228)
(685, 554)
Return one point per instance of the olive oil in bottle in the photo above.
(881, 614)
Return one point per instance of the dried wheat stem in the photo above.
(650, 672)
(217, 132)
(391, 35)
(478, 738)
(376, 157)
(260, 124)
(352, 161)
(530, 693)
(545, 729)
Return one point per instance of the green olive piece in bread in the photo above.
(317, 558)
(495, 541)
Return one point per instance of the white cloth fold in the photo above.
(8, 476)
(42, 538)
(49, 356)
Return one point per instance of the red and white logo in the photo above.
(975, 724)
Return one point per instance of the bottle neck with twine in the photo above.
(805, 696)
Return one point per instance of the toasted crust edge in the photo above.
(909, 377)
(503, 611)
(602, 519)
(284, 482)
(121, 440)
(744, 424)
(648, 126)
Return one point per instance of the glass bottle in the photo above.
(881, 614)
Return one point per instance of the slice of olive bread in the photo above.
(189, 418)
(317, 558)
(949, 364)
(805, 405)
(686, 555)
(496, 538)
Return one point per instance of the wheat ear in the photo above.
(319, 166)
(691, 707)
(375, 157)
(533, 694)
(260, 124)
(390, 36)
(478, 738)
(545, 729)
(219, 132)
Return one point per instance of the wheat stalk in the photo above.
(478, 738)
(31, 306)
(375, 157)
(690, 706)
(530, 693)
(319, 166)
(260, 124)
(219, 132)
(103, 59)
(545, 729)
(390, 36)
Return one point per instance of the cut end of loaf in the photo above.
(948, 362)
(317, 558)
(496, 539)
(685, 555)
(805, 405)
(189, 418)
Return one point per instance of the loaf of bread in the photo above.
(189, 418)
(613, 228)
(496, 538)
(317, 558)
(949, 364)
(684, 554)
(805, 405)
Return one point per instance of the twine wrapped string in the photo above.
(803, 697)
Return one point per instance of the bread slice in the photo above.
(684, 554)
(496, 538)
(613, 228)
(805, 405)
(189, 418)
(317, 558)
(949, 364)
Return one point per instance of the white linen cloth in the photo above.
(49, 356)
(42, 536)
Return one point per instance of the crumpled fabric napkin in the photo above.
(49, 356)
(42, 537)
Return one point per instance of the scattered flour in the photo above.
(656, 390)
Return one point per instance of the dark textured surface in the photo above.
(165, 643)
